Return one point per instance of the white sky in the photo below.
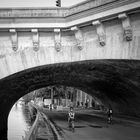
(37, 3)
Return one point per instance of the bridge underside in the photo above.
(114, 82)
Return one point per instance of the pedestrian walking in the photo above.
(110, 113)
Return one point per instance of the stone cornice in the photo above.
(65, 17)
(61, 12)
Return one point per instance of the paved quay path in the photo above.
(43, 130)
(90, 126)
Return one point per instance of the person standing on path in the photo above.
(110, 113)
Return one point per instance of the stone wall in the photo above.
(25, 57)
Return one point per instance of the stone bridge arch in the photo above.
(93, 46)
(115, 82)
(31, 37)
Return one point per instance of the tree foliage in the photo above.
(59, 91)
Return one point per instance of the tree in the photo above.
(59, 92)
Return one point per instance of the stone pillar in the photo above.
(5, 106)
(3, 125)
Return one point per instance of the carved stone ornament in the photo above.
(128, 34)
(35, 46)
(57, 46)
(79, 44)
(100, 32)
(35, 39)
(79, 37)
(57, 39)
(14, 47)
(102, 39)
(14, 39)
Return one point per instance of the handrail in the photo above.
(59, 137)
(32, 132)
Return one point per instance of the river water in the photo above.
(19, 122)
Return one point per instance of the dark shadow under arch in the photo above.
(115, 82)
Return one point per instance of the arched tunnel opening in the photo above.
(61, 98)
(114, 82)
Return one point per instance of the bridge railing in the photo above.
(32, 132)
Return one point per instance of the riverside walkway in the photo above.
(92, 125)
(44, 130)
(41, 128)
(89, 124)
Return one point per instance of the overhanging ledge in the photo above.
(65, 17)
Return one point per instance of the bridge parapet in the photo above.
(51, 12)
(83, 13)
(105, 34)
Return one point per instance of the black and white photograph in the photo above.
(69, 69)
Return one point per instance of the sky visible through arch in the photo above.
(37, 3)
